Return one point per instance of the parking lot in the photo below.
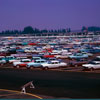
(56, 67)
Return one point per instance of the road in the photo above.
(57, 84)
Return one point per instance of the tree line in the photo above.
(90, 29)
(30, 30)
(34, 31)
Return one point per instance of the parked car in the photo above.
(78, 56)
(49, 56)
(50, 59)
(8, 58)
(21, 63)
(91, 65)
(53, 64)
(89, 54)
(78, 62)
(17, 59)
(97, 59)
(2, 61)
(36, 63)
(36, 58)
(61, 56)
(91, 50)
(56, 52)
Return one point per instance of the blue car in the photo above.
(90, 50)
(78, 56)
(36, 63)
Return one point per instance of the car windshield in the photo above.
(77, 54)
(42, 61)
(39, 61)
(96, 59)
(78, 59)
(0, 58)
(92, 62)
(56, 62)
(26, 61)
(36, 58)
(9, 57)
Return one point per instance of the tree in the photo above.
(93, 28)
(28, 29)
(68, 30)
(83, 29)
(63, 31)
(44, 31)
(36, 30)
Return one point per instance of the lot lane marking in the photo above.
(20, 93)
(9, 94)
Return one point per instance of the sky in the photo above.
(49, 14)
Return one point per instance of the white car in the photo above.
(14, 60)
(56, 52)
(61, 56)
(21, 63)
(92, 65)
(97, 59)
(53, 64)
(17, 59)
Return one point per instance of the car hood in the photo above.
(87, 65)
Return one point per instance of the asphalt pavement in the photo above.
(56, 84)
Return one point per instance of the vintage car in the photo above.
(21, 63)
(91, 50)
(35, 58)
(48, 56)
(14, 60)
(17, 59)
(36, 63)
(2, 61)
(8, 58)
(53, 64)
(77, 62)
(91, 66)
(96, 59)
(3, 54)
(56, 52)
(50, 59)
(78, 56)
(61, 56)
(89, 54)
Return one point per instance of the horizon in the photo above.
(46, 29)
(49, 14)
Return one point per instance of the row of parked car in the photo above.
(41, 63)
(47, 53)
(45, 63)
(34, 62)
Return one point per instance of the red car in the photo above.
(21, 63)
(49, 56)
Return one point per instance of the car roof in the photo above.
(55, 61)
(26, 59)
(36, 57)
(41, 60)
(98, 56)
